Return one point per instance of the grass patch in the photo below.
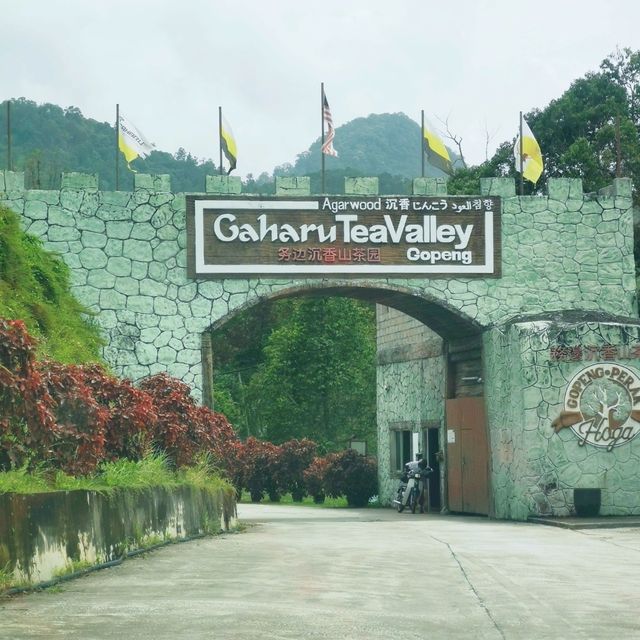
(22, 481)
(6, 579)
(151, 471)
(204, 475)
(73, 566)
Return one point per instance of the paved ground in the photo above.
(304, 573)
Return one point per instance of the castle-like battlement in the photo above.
(558, 189)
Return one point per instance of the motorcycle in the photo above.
(411, 488)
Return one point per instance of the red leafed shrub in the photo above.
(216, 436)
(27, 424)
(183, 429)
(132, 416)
(234, 467)
(73, 417)
(352, 475)
(175, 410)
(295, 457)
(258, 462)
(314, 479)
(81, 421)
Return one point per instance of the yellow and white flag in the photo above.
(530, 164)
(131, 142)
(437, 153)
(228, 144)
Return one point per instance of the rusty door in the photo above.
(467, 469)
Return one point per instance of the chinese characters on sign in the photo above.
(343, 235)
(329, 255)
(583, 353)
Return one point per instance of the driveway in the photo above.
(308, 573)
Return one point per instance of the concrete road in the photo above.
(305, 573)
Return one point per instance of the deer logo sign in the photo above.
(602, 405)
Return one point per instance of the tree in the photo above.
(317, 379)
(589, 132)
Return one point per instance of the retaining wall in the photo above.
(49, 534)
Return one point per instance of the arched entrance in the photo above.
(429, 360)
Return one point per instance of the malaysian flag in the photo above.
(327, 147)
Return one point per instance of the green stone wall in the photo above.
(562, 251)
(534, 470)
(410, 386)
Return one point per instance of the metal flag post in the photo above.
(117, 147)
(9, 163)
(521, 159)
(220, 137)
(422, 143)
(322, 136)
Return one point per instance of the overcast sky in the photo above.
(170, 64)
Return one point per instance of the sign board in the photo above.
(602, 405)
(343, 235)
(358, 445)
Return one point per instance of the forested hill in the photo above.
(378, 144)
(47, 140)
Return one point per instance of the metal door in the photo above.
(467, 470)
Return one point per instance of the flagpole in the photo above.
(521, 159)
(422, 142)
(220, 136)
(322, 135)
(117, 147)
(9, 163)
(618, 152)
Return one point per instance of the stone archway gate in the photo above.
(563, 252)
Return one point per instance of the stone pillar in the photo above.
(157, 183)
(430, 186)
(621, 187)
(361, 186)
(293, 186)
(11, 181)
(80, 181)
(564, 189)
(223, 185)
(544, 383)
(504, 187)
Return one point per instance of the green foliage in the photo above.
(204, 474)
(312, 373)
(151, 471)
(34, 287)
(23, 481)
(578, 132)
(47, 140)
(71, 567)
